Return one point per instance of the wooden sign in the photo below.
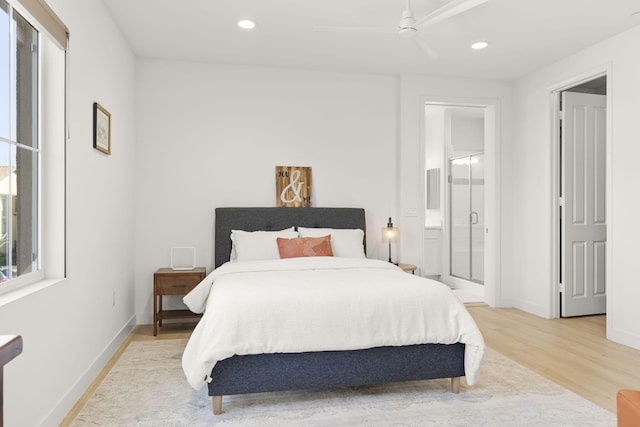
(293, 186)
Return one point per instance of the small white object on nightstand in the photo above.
(183, 258)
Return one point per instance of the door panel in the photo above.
(583, 186)
(579, 253)
(600, 165)
(579, 165)
(599, 265)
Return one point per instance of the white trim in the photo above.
(554, 252)
(14, 293)
(492, 263)
(628, 338)
(13, 134)
(14, 145)
(52, 207)
(40, 190)
(554, 257)
(24, 12)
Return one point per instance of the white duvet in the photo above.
(319, 304)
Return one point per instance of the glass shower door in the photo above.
(460, 198)
(466, 192)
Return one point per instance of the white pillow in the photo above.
(257, 245)
(345, 243)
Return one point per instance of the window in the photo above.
(20, 155)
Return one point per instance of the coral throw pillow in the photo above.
(304, 246)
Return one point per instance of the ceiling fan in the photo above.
(408, 27)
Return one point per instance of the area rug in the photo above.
(147, 387)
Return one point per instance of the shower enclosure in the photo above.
(466, 198)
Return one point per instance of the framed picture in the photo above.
(293, 186)
(101, 129)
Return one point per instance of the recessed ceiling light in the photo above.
(246, 24)
(479, 45)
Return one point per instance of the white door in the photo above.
(583, 228)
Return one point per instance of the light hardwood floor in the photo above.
(573, 353)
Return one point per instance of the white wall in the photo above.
(533, 172)
(71, 328)
(211, 135)
(414, 92)
(436, 138)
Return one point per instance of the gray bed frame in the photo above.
(325, 369)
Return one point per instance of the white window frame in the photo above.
(50, 191)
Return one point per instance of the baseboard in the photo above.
(69, 399)
(624, 338)
(506, 303)
(531, 308)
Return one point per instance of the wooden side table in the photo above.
(10, 347)
(408, 267)
(173, 282)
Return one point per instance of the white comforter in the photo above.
(319, 304)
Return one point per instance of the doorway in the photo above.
(455, 216)
(581, 201)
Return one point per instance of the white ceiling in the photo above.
(524, 35)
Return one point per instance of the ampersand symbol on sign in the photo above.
(294, 186)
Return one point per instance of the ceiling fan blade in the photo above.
(454, 7)
(359, 29)
(426, 48)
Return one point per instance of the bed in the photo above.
(319, 358)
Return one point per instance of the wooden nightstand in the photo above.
(173, 282)
(408, 267)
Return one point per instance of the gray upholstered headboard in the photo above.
(253, 219)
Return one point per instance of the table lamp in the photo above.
(389, 235)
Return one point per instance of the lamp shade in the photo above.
(389, 234)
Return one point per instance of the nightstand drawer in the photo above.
(176, 285)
